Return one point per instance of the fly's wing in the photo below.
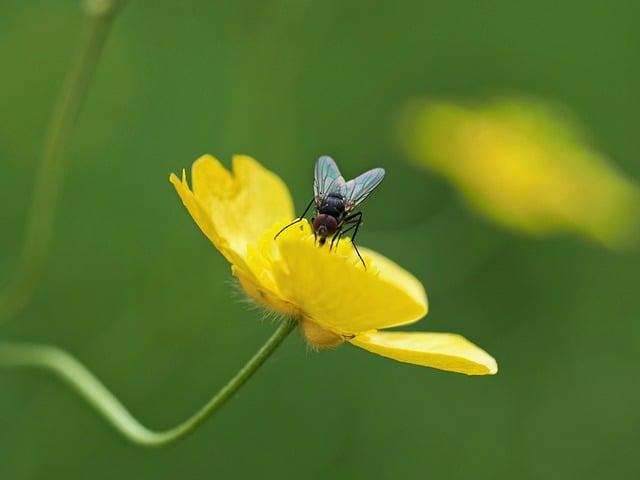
(356, 190)
(327, 179)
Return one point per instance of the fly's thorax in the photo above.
(333, 204)
(325, 225)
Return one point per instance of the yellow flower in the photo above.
(524, 165)
(331, 295)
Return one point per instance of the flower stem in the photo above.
(88, 386)
(99, 15)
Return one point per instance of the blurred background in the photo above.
(134, 290)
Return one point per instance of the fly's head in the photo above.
(325, 225)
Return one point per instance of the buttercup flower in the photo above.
(332, 296)
(524, 165)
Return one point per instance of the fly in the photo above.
(335, 202)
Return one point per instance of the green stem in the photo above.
(99, 15)
(88, 386)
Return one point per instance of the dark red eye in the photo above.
(317, 222)
(325, 225)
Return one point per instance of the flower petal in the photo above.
(400, 276)
(525, 165)
(234, 209)
(202, 218)
(333, 289)
(445, 351)
(263, 293)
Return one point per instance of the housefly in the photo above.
(336, 200)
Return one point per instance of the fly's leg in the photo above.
(352, 221)
(340, 233)
(336, 237)
(355, 220)
(297, 220)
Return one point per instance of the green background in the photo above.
(137, 293)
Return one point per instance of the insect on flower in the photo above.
(335, 201)
(332, 297)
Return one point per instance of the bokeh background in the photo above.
(136, 291)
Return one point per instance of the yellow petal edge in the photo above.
(444, 351)
(233, 209)
(335, 291)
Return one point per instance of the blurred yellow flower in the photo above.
(330, 293)
(524, 165)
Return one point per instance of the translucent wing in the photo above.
(327, 178)
(356, 190)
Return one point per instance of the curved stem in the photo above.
(88, 386)
(98, 20)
